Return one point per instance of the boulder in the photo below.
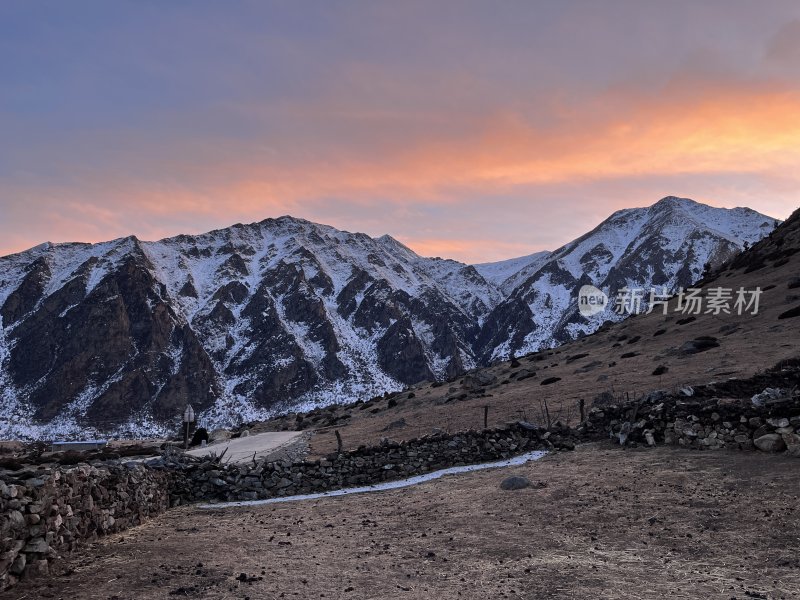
(219, 435)
(762, 431)
(478, 380)
(515, 483)
(771, 442)
(36, 569)
(18, 567)
(16, 520)
(697, 345)
(768, 395)
(792, 441)
(38, 546)
(398, 424)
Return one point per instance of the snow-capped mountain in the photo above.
(117, 337)
(237, 321)
(666, 245)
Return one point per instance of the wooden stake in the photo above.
(338, 442)
(486, 417)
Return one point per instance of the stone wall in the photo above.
(772, 424)
(46, 512)
(366, 465)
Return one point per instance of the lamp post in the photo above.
(188, 418)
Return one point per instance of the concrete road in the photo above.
(241, 449)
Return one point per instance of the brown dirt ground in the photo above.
(610, 523)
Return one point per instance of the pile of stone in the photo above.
(706, 423)
(47, 511)
(769, 435)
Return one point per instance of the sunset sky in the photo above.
(471, 130)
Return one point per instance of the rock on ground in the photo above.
(515, 483)
(771, 442)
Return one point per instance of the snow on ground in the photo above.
(388, 485)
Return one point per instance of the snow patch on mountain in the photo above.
(505, 274)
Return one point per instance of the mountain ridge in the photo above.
(245, 320)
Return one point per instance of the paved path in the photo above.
(242, 449)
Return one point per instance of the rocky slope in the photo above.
(116, 337)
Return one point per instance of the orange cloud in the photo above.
(616, 137)
(733, 130)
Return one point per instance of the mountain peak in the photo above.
(388, 241)
(672, 205)
(675, 201)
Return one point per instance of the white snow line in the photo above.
(387, 485)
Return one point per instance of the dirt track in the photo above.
(247, 448)
(609, 524)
